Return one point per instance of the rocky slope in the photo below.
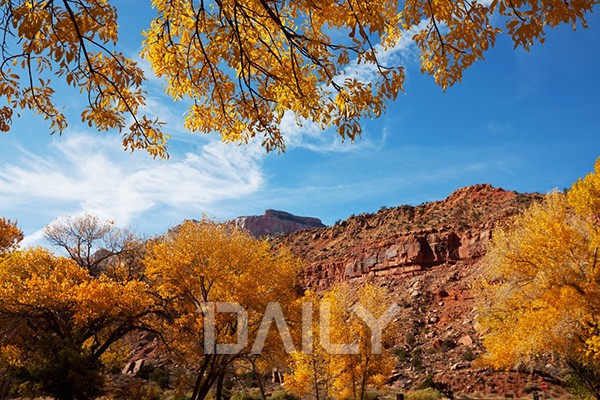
(427, 256)
(406, 240)
(274, 223)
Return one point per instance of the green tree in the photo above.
(541, 285)
(245, 64)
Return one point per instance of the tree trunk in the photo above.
(316, 378)
(220, 379)
(363, 382)
(259, 380)
(198, 383)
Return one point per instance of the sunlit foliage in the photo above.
(244, 64)
(205, 262)
(541, 286)
(10, 236)
(326, 374)
(74, 42)
(57, 320)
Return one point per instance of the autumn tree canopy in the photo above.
(200, 267)
(541, 287)
(345, 358)
(10, 236)
(242, 65)
(57, 319)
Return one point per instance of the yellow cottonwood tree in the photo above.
(244, 64)
(10, 236)
(311, 375)
(343, 362)
(541, 285)
(57, 320)
(199, 265)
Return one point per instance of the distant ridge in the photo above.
(275, 223)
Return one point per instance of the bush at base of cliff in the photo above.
(424, 394)
(283, 395)
(577, 388)
(246, 395)
(140, 391)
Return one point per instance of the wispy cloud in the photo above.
(308, 135)
(402, 53)
(84, 173)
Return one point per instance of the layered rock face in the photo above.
(405, 240)
(274, 223)
(403, 254)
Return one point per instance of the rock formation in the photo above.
(274, 223)
(428, 257)
(402, 241)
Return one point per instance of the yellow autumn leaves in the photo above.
(10, 235)
(324, 373)
(74, 42)
(198, 265)
(541, 285)
(242, 65)
(201, 287)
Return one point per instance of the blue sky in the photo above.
(525, 121)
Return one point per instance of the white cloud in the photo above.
(33, 239)
(85, 173)
(310, 136)
(402, 53)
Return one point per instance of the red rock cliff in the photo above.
(404, 240)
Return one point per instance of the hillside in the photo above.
(427, 257)
(405, 240)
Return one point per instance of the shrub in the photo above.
(244, 395)
(283, 395)
(156, 374)
(372, 395)
(447, 344)
(416, 363)
(424, 394)
(137, 391)
(577, 388)
(428, 383)
(468, 356)
(400, 353)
